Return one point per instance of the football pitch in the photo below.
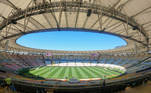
(78, 72)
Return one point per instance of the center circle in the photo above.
(70, 40)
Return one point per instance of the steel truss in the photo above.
(75, 6)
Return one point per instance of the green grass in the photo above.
(84, 72)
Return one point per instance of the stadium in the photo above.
(32, 70)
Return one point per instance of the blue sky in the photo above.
(72, 41)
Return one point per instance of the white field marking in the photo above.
(88, 64)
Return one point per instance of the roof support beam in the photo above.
(99, 18)
(146, 12)
(46, 17)
(115, 27)
(141, 12)
(100, 21)
(84, 24)
(22, 26)
(116, 23)
(116, 4)
(17, 29)
(66, 15)
(106, 20)
(36, 23)
(109, 22)
(10, 33)
(144, 24)
(9, 3)
(77, 15)
(57, 23)
(60, 16)
(13, 6)
(126, 29)
(120, 7)
(13, 28)
(26, 19)
(88, 15)
(7, 30)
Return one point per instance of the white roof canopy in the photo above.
(129, 19)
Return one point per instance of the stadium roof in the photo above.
(129, 19)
